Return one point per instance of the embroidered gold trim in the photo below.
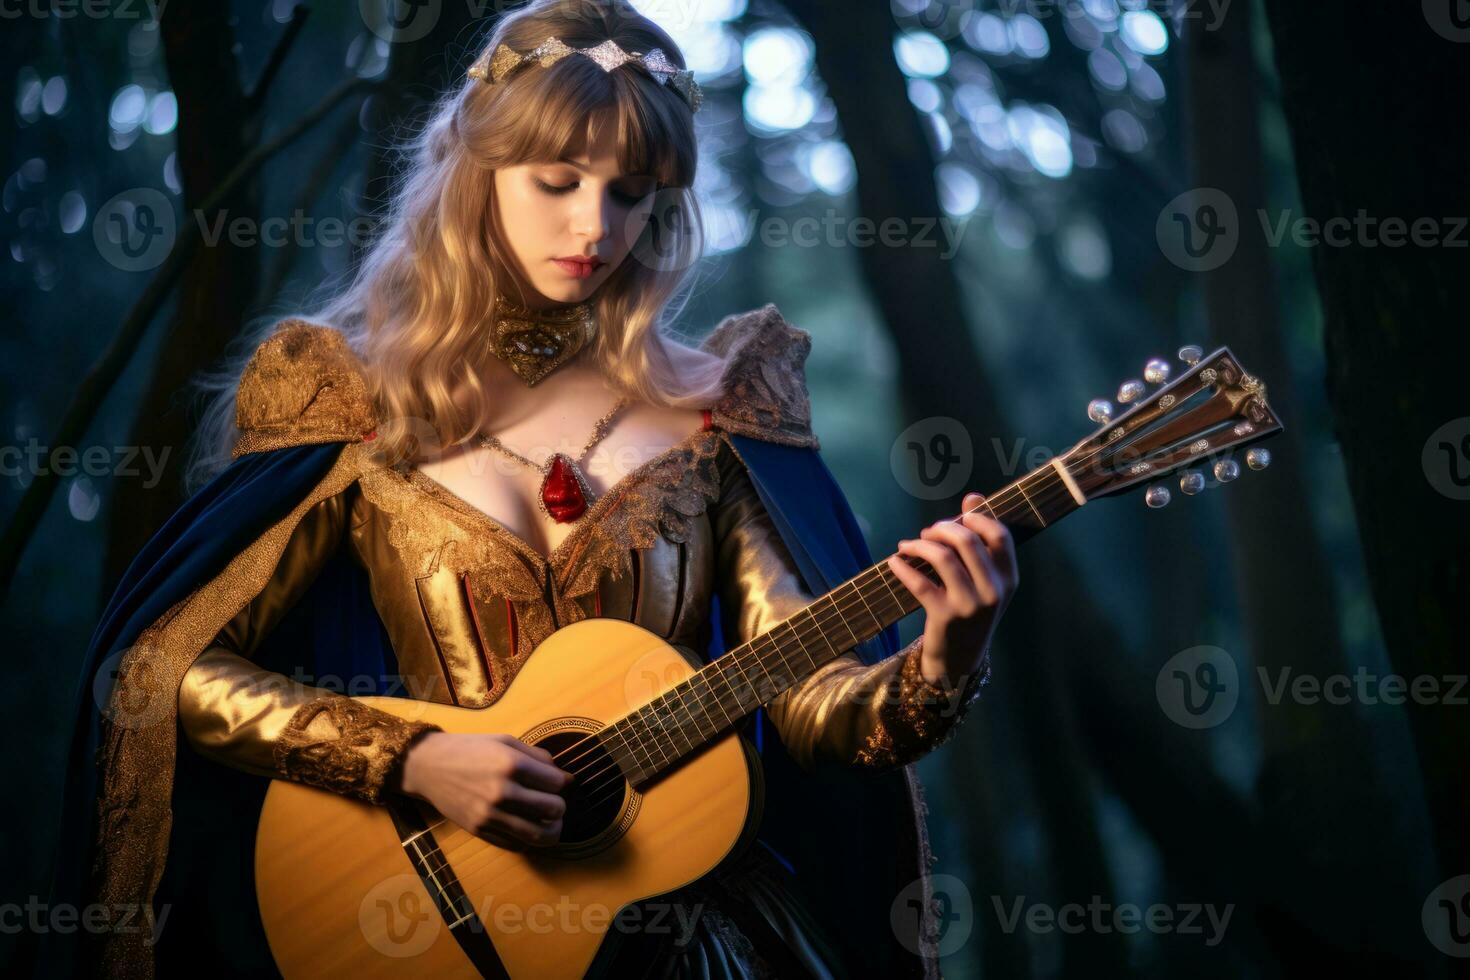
(356, 762)
(302, 386)
(765, 394)
(922, 717)
(137, 754)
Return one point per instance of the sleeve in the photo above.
(846, 712)
(234, 712)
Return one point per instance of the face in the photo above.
(582, 207)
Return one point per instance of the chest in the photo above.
(530, 493)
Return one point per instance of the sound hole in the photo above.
(595, 797)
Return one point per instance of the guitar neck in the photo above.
(712, 702)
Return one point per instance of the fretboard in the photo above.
(712, 702)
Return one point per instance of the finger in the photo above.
(972, 551)
(536, 774)
(532, 804)
(524, 830)
(953, 575)
(919, 585)
(997, 537)
(974, 503)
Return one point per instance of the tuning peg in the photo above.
(1157, 496)
(1100, 410)
(1190, 354)
(1130, 391)
(1227, 470)
(1156, 371)
(1258, 458)
(1191, 482)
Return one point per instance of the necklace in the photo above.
(565, 493)
(536, 342)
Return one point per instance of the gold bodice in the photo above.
(465, 601)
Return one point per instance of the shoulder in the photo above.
(765, 394)
(303, 385)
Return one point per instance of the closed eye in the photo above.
(557, 190)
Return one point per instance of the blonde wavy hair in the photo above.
(419, 305)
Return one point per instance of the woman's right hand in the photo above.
(495, 786)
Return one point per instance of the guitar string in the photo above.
(1040, 495)
(1003, 499)
(1043, 491)
(1000, 500)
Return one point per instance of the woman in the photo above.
(489, 428)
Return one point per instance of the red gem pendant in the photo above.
(561, 491)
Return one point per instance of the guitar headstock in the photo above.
(1191, 425)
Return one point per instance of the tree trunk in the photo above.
(1373, 102)
(1319, 789)
(216, 290)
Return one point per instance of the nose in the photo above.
(594, 217)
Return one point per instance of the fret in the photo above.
(683, 718)
(1024, 494)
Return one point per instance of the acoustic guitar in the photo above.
(665, 787)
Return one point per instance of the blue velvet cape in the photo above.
(845, 833)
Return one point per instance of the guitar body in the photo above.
(351, 889)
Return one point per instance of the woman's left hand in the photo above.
(976, 561)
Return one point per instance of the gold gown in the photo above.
(465, 601)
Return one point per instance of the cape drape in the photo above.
(851, 837)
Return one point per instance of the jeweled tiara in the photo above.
(495, 66)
